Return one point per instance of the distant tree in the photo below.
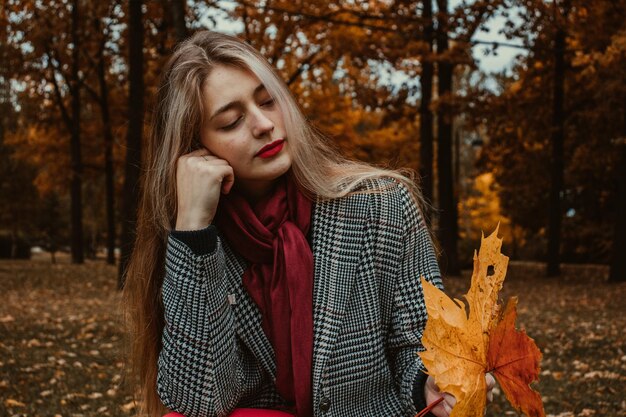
(51, 224)
(448, 219)
(50, 67)
(134, 134)
(103, 17)
(177, 9)
(453, 38)
(17, 192)
(559, 19)
(426, 115)
(618, 261)
(18, 195)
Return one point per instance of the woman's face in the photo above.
(244, 126)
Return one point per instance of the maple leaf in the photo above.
(514, 360)
(462, 347)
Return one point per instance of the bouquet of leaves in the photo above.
(462, 347)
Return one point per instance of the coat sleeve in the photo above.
(203, 370)
(409, 315)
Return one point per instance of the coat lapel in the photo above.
(337, 243)
(248, 317)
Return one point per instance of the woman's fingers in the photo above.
(432, 394)
(491, 383)
(443, 409)
(228, 179)
(448, 402)
(201, 177)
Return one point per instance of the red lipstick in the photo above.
(271, 149)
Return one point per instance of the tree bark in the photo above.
(75, 150)
(133, 139)
(448, 227)
(557, 165)
(618, 263)
(177, 8)
(426, 115)
(109, 171)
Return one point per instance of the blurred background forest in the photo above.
(539, 147)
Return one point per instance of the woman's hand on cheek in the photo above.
(444, 408)
(200, 180)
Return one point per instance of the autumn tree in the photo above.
(53, 62)
(454, 35)
(134, 133)
(45, 100)
(520, 125)
(426, 115)
(178, 10)
(559, 19)
(103, 17)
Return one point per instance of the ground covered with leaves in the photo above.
(61, 341)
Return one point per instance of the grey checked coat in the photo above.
(369, 249)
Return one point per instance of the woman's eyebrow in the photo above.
(235, 103)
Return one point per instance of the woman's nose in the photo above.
(262, 124)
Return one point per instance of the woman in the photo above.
(268, 271)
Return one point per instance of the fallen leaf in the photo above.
(128, 407)
(10, 402)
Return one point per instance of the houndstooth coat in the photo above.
(369, 248)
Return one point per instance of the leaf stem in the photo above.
(429, 408)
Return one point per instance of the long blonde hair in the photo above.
(319, 170)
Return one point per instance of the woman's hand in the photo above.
(444, 408)
(200, 179)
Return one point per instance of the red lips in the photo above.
(271, 149)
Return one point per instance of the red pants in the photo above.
(248, 412)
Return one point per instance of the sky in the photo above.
(506, 55)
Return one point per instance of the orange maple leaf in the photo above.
(460, 348)
(514, 360)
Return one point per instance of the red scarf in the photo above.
(279, 279)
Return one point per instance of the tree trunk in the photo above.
(177, 8)
(448, 227)
(557, 165)
(426, 115)
(133, 139)
(618, 263)
(108, 154)
(75, 151)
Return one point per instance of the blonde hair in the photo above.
(318, 169)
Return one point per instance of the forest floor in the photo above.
(61, 340)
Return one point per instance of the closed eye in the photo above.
(267, 103)
(232, 125)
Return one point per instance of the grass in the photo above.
(61, 339)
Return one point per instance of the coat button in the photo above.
(324, 405)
